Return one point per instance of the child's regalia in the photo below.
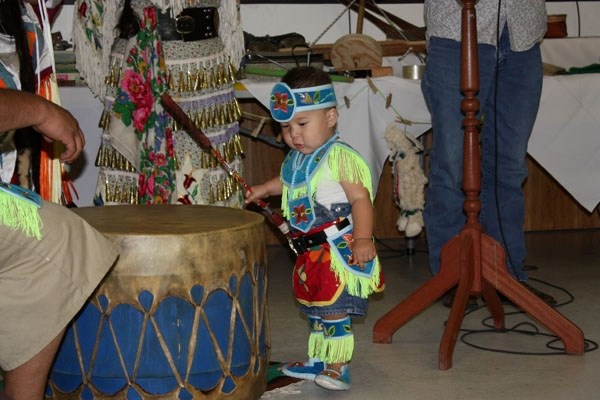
(329, 230)
(322, 235)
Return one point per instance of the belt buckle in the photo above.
(299, 246)
(185, 24)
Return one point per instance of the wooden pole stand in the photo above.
(472, 260)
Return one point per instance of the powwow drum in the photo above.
(182, 315)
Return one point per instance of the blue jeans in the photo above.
(509, 96)
(345, 304)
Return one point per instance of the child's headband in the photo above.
(285, 102)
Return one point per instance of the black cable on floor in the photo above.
(589, 345)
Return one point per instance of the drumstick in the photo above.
(180, 116)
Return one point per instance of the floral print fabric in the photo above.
(137, 103)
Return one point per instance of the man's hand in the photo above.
(60, 125)
(20, 109)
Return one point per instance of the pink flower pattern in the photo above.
(137, 103)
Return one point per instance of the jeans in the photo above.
(345, 304)
(509, 95)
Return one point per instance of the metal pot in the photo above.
(413, 71)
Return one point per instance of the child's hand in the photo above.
(363, 251)
(256, 192)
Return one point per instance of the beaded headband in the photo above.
(285, 102)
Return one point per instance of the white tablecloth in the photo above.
(566, 136)
(571, 51)
(565, 139)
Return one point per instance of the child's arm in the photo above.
(363, 248)
(269, 188)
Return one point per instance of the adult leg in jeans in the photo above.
(443, 214)
(510, 90)
(510, 109)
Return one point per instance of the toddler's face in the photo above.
(309, 129)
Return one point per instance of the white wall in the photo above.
(582, 17)
(311, 20)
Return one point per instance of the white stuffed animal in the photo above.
(409, 179)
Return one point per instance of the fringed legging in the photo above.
(331, 341)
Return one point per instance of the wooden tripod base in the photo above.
(475, 262)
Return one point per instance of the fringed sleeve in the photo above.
(348, 165)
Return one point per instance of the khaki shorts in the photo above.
(44, 283)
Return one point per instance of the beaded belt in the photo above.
(191, 25)
(305, 242)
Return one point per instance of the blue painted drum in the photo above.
(182, 315)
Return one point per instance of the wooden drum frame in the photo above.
(182, 314)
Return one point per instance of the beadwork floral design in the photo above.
(281, 102)
(300, 214)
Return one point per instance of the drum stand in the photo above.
(473, 260)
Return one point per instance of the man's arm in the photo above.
(21, 109)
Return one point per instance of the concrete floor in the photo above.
(559, 263)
